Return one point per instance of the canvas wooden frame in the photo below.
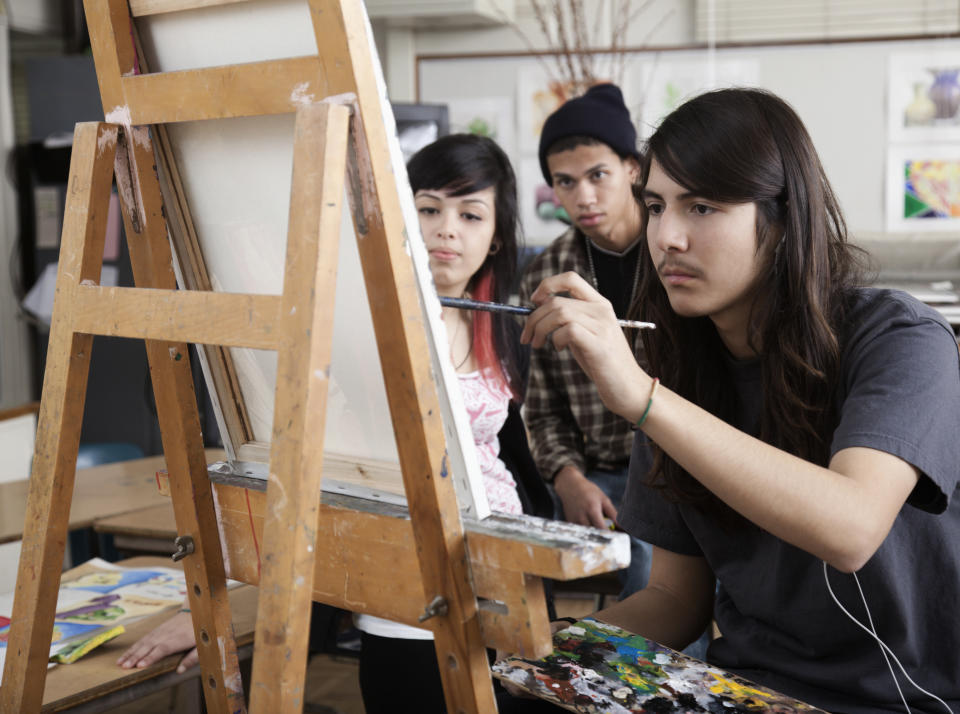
(247, 452)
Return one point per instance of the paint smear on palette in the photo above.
(596, 667)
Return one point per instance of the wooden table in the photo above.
(99, 492)
(149, 530)
(96, 683)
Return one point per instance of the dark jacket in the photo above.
(514, 448)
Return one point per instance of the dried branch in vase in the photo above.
(580, 53)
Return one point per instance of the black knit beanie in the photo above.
(600, 114)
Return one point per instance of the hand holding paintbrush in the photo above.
(572, 315)
(467, 304)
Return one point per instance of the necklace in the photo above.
(453, 341)
(466, 356)
(588, 244)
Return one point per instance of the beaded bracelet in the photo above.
(646, 412)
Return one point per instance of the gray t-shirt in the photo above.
(899, 393)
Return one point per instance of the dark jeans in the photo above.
(398, 675)
(634, 577)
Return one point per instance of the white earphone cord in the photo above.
(883, 646)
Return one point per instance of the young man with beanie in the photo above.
(588, 153)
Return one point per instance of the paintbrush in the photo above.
(467, 304)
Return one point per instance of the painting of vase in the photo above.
(923, 97)
(922, 110)
(945, 92)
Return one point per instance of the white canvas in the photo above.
(236, 177)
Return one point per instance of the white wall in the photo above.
(39, 16)
(840, 92)
(16, 454)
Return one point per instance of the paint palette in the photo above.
(598, 667)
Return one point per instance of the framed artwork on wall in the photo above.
(669, 83)
(923, 97)
(486, 116)
(542, 217)
(923, 188)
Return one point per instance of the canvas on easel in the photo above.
(485, 592)
(233, 174)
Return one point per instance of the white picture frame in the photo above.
(910, 75)
(940, 188)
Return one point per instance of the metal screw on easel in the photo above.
(437, 606)
(184, 546)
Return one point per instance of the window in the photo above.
(781, 20)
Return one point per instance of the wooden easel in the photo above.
(382, 560)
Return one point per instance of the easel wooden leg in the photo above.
(339, 28)
(296, 456)
(150, 256)
(58, 428)
(173, 389)
(441, 548)
(404, 356)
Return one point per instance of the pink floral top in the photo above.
(486, 402)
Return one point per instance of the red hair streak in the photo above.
(483, 342)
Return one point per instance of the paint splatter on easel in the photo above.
(597, 667)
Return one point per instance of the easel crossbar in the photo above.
(356, 536)
(253, 89)
(200, 317)
(526, 544)
(141, 8)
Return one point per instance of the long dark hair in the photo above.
(459, 164)
(738, 146)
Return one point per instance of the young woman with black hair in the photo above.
(466, 198)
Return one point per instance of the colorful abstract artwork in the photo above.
(923, 188)
(62, 632)
(931, 189)
(597, 667)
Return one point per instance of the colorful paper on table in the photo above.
(75, 650)
(65, 598)
(104, 581)
(120, 595)
(92, 608)
(66, 636)
(597, 667)
(62, 632)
